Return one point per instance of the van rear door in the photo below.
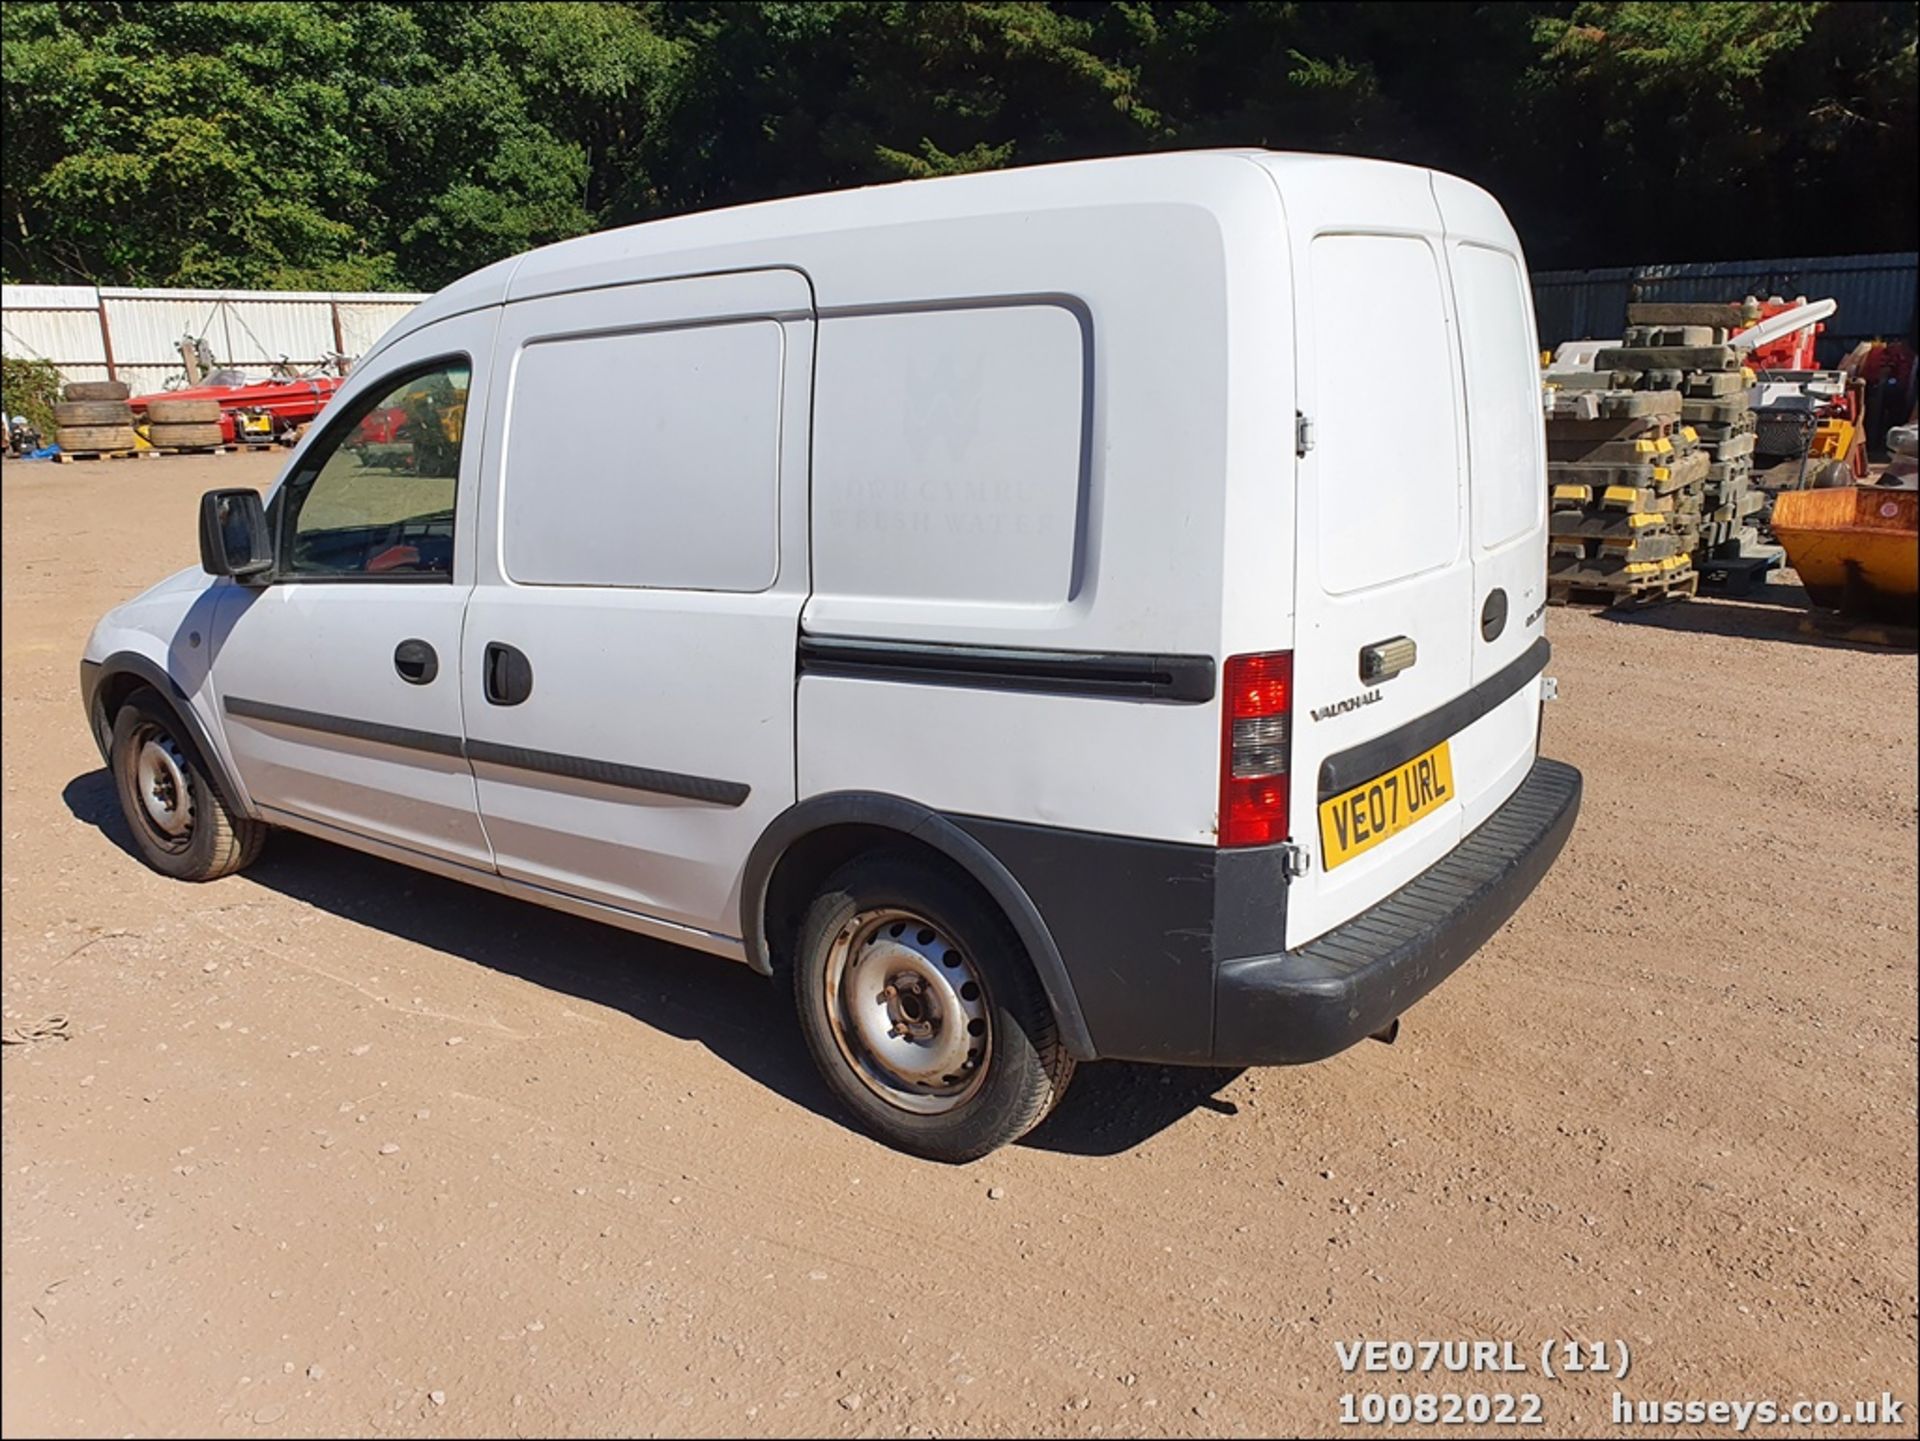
(1506, 479)
(1384, 569)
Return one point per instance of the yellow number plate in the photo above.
(1359, 819)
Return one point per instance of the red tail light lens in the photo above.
(1256, 725)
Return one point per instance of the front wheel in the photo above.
(180, 825)
(923, 1013)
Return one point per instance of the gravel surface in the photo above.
(333, 1146)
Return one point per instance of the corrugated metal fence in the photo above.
(1876, 294)
(133, 335)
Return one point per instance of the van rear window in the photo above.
(1388, 411)
(949, 454)
(1503, 395)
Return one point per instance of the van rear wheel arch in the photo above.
(808, 842)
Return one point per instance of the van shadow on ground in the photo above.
(1767, 612)
(734, 1013)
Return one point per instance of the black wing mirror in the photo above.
(233, 534)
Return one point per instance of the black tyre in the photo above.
(183, 435)
(180, 825)
(923, 1012)
(93, 412)
(82, 438)
(95, 390)
(183, 412)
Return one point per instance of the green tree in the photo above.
(375, 143)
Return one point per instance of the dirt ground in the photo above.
(334, 1146)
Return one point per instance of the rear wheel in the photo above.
(180, 825)
(923, 1013)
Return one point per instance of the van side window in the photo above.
(375, 498)
(949, 454)
(650, 458)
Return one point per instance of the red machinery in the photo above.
(1792, 351)
(257, 412)
(1824, 412)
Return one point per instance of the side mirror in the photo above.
(233, 534)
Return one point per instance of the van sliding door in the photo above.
(628, 664)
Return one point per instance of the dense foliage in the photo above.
(353, 144)
(29, 388)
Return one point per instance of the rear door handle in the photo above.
(417, 662)
(508, 674)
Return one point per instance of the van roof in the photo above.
(773, 232)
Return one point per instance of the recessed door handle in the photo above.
(508, 674)
(416, 661)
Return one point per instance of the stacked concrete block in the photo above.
(1685, 346)
(1626, 487)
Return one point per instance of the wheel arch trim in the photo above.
(94, 678)
(928, 827)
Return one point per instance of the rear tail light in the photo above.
(1257, 721)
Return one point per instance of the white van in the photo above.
(1085, 611)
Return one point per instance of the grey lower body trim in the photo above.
(1142, 925)
(611, 773)
(361, 730)
(1360, 976)
(1177, 953)
(639, 778)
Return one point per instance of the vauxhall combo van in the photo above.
(1086, 611)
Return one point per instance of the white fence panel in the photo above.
(60, 323)
(362, 322)
(139, 339)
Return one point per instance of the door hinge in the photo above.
(1294, 860)
(1302, 434)
(1549, 688)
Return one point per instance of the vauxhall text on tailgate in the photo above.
(953, 629)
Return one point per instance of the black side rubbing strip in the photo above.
(1363, 762)
(608, 773)
(286, 715)
(1185, 678)
(638, 778)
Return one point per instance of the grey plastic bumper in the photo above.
(1307, 1004)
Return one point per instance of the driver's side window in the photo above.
(375, 498)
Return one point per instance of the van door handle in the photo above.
(417, 662)
(1385, 659)
(508, 674)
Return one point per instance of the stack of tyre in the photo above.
(92, 417)
(183, 424)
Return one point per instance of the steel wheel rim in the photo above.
(908, 1011)
(162, 785)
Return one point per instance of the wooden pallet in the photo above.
(1682, 586)
(196, 449)
(67, 457)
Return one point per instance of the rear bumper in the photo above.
(1307, 1004)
